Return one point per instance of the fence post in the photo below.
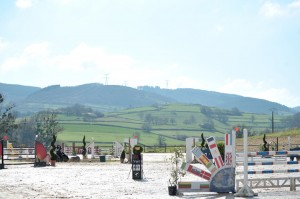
(2, 155)
(245, 190)
(292, 184)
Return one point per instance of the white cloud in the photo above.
(37, 50)
(279, 95)
(185, 82)
(24, 4)
(84, 57)
(270, 10)
(295, 4)
(13, 64)
(83, 64)
(260, 90)
(3, 44)
(237, 86)
(86, 64)
(38, 66)
(32, 56)
(68, 3)
(219, 28)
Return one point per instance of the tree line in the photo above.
(40, 126)
(24, 131)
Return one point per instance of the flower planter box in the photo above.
(40, 164)
(52, 162)
(172, 190)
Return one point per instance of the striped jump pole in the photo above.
(196, 171)
(201, 157)
(271, 153)
(39, 154)
(268, 182)
(2, 156)
(194, 186)
(270, 171)
(215, 152)
(269, 163)
(229, 154)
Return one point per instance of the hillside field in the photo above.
(256, 142)
(169, 124)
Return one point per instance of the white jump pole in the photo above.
(233, 138)
(245, 191)
(93, 149)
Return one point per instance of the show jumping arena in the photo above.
(109, 179)
(92, 178)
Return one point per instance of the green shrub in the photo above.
(221, 148)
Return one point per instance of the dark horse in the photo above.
(61, 156)
(295, 156)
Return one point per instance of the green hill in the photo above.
(109, 98)
(169, 124)
(217, 99)
(16, 93)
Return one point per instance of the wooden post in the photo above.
(73, 149)
(63, 147)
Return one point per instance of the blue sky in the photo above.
(245, 47)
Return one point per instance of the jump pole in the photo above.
(270, 163)
(233, 146)
(2, 149)
(245, 191)
(35, 150)
(2, 156)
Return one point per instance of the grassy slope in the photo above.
(117, 126)
(256, 142)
